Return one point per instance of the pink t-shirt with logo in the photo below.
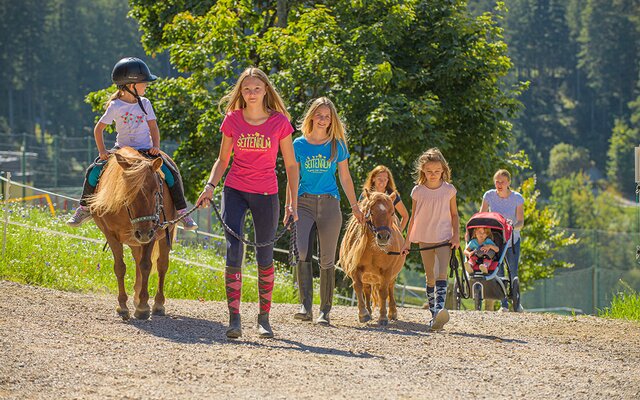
(255, 150)
(432, 217)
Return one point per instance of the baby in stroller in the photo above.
(481, 251)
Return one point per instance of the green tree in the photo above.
(566, 159)
(572, 199)
(620, 157)
(542, 237)
(406, 75)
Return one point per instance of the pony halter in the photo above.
(158, 209)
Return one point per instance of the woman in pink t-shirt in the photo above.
(434, 220)
(256, 125)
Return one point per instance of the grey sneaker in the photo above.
(188, 223)
(81, 215)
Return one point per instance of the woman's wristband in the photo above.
(209, 184)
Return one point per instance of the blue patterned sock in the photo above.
(441, 295)
(431, 298)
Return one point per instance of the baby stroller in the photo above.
(490, 286)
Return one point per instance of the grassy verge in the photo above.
(64, 263)
(624, 305)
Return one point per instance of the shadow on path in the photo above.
(402, 328)
(487, 337)
(182, 329)
(297, 346)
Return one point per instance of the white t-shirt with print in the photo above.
(131, 123)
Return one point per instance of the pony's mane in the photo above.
(119, 187)
(356, 237)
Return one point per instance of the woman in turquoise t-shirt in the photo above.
(320, 151)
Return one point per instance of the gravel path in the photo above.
(60, 345)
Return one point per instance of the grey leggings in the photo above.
(319, 214)
(435, 271)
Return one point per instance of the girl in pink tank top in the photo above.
(255, 128)
(434, 220)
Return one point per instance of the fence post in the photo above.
(23, 164)
(595, 272)
(353, 297)
(55, 161)
(404, 291)
(6, 214)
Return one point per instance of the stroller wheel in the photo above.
(515, 295)
(477, 295)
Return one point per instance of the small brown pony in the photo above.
(128, 207)
(364, 258)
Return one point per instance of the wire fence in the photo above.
(604, 264)
(53, 161)
(407, 296)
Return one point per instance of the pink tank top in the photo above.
(255, 150)
(432, 216)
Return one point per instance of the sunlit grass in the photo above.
(624, 305)
(63, 263)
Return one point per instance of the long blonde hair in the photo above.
(114, 96)
(272, 101)
(336, 130)
(369, 185)
(431, 155)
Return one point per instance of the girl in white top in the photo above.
(434, 220)
(136, 127)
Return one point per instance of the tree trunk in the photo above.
(282, 13)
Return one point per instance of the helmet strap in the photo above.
(136, 95)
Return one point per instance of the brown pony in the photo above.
(128, 207)
(364, 258)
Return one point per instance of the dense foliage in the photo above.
(405, 75)
(582, 58)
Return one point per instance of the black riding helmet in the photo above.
(131, 70)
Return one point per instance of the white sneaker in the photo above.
(441, 318)
(503, 309)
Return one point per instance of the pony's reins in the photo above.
(454, 267)
(437, 246)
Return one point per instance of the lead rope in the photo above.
(290, 226)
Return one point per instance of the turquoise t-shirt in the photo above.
(317, 173)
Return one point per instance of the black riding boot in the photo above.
(305, 290)
(327, 284)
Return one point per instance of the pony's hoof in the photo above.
(383, 322)
(123, 313)
(159, 311)
(393, 317)
(364, 318)
(142, 314)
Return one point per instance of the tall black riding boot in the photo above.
(305, 290)
(327, 285)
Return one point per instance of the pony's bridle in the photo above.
(375, 229)
(159, 207)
